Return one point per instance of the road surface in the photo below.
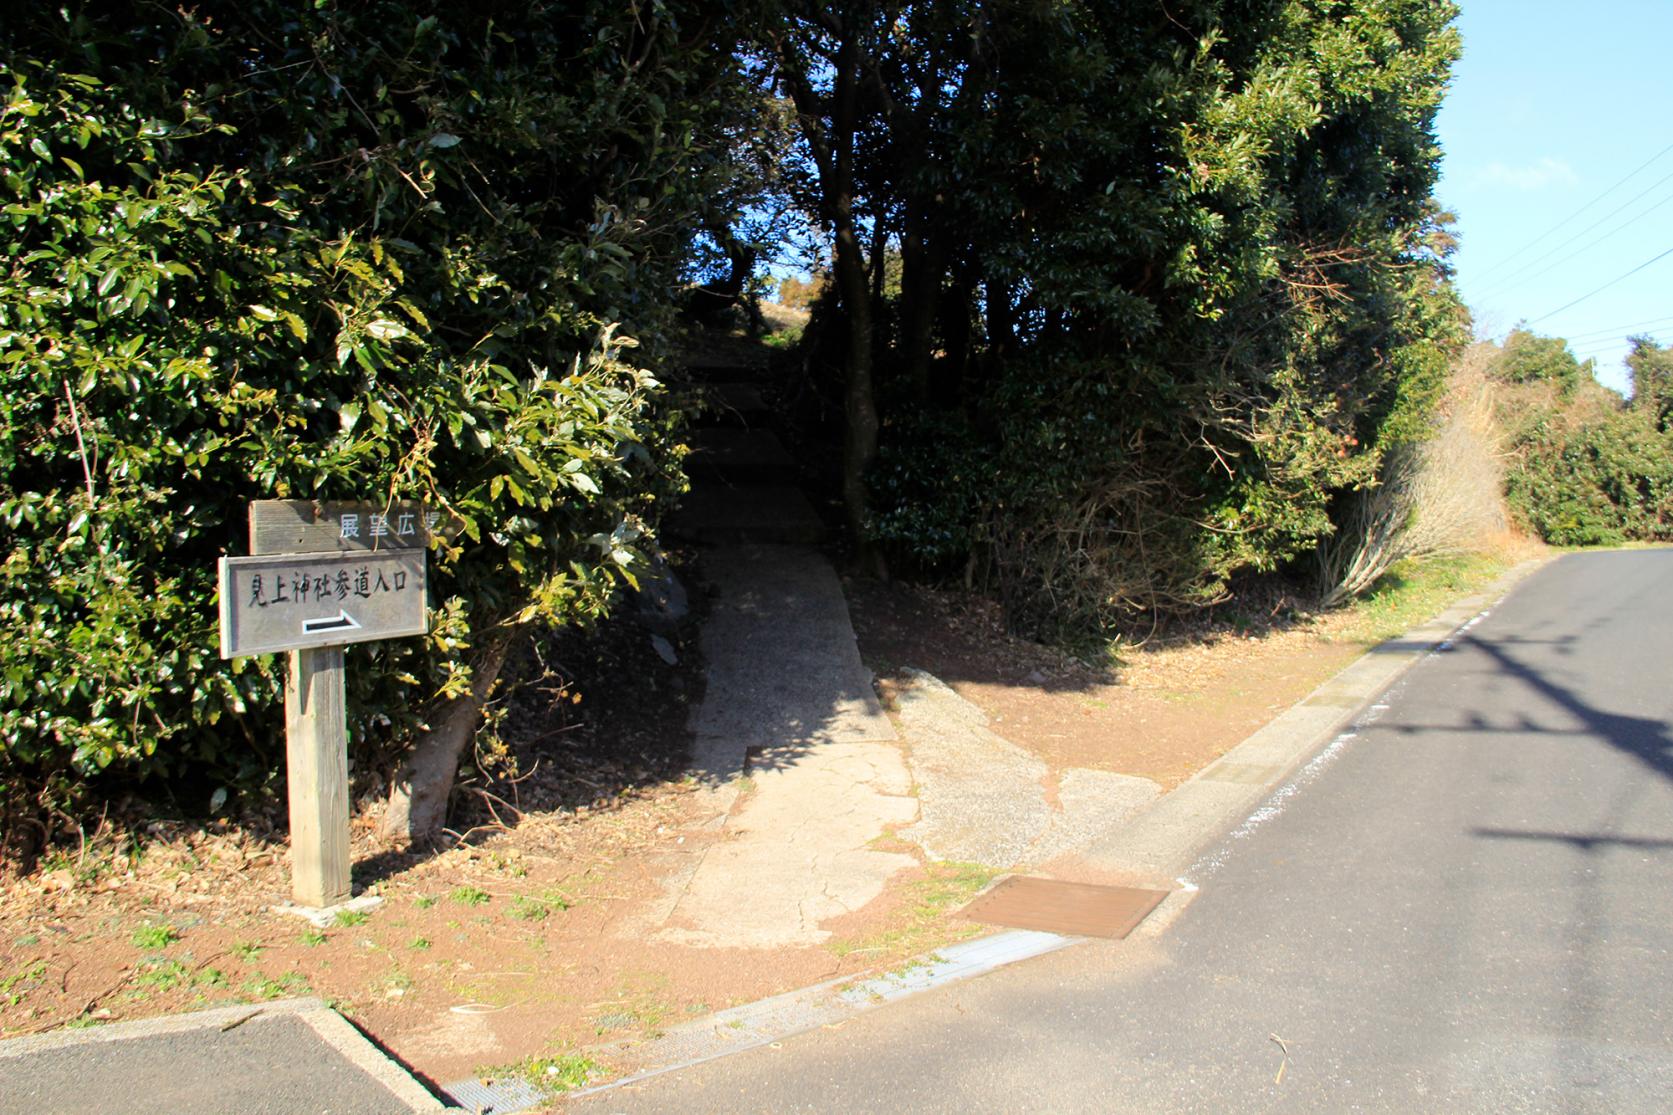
(1465, 904)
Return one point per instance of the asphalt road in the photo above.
(1464, 905)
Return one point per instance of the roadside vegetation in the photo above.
(1108, 318)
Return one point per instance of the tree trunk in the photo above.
(418, 799)
(859, 447)
(920, 291)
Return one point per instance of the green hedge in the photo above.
(339, 251)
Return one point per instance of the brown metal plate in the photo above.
(1072, 909)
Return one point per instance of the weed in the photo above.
(505, 866)
(469, 896)
(536, 909)
(210, 977)
(946, 887)
(162, 975)
(560, 1073)
(424, 901)
(17, 986)
(247, 951)
(261, 987)
(154, 937)
(347, 918)
(85, 1022)
(312, 937)
(419, 943)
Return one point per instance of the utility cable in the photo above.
(1560, 224)
(1525, 276)
(1619, 330)
(1604, 287)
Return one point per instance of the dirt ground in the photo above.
(520, 941)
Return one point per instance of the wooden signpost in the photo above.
(322, 575)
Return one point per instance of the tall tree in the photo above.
(1651, 368)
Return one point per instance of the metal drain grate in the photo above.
(501, 1097)
(1071, 909)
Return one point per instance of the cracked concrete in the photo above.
(984, 798)
(798, 759)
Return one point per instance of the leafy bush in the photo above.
(341, 252)
(1585, 469)
(1599, 483)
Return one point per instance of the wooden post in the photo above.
(317, 768)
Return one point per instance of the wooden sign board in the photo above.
(285, 602)
(302, 526)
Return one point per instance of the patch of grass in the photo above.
(313, 937)
(210, 977)
(1416, 590)
(924, 923)
(85, 1022)
(346, 918)
(154, 937)
(424, 901)
(247, 951)
(784, 339)
(419, 943)
(262, 987)
(469, 896)
(16, 987)
(531, 908)
(553, 1075)
(161, 975)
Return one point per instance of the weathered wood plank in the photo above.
(301, 526)
(317, 767)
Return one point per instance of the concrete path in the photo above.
(799, 763)
(986, 800)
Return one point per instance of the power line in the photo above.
(1604, 287)
(1560, 224)
(1526, 276)
(1620, 330)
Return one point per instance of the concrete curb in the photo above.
(332, 1028)
(1159, 844)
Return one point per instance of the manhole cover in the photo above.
(1072, 909)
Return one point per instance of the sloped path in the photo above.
(801, 769)
(797, 759)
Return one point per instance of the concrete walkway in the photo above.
(799, 762)
(986, 800)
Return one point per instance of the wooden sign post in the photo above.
(322, 575)
(317, 769)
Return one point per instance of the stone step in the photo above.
(717, 514)
(735, 405)
(712, 370)
(738, 455)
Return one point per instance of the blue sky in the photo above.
(1553, 104)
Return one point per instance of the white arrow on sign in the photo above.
(342, 621)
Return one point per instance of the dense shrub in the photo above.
(1179, 271)
(1585, 469)
(335, 251)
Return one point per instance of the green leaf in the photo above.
(444, 140)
